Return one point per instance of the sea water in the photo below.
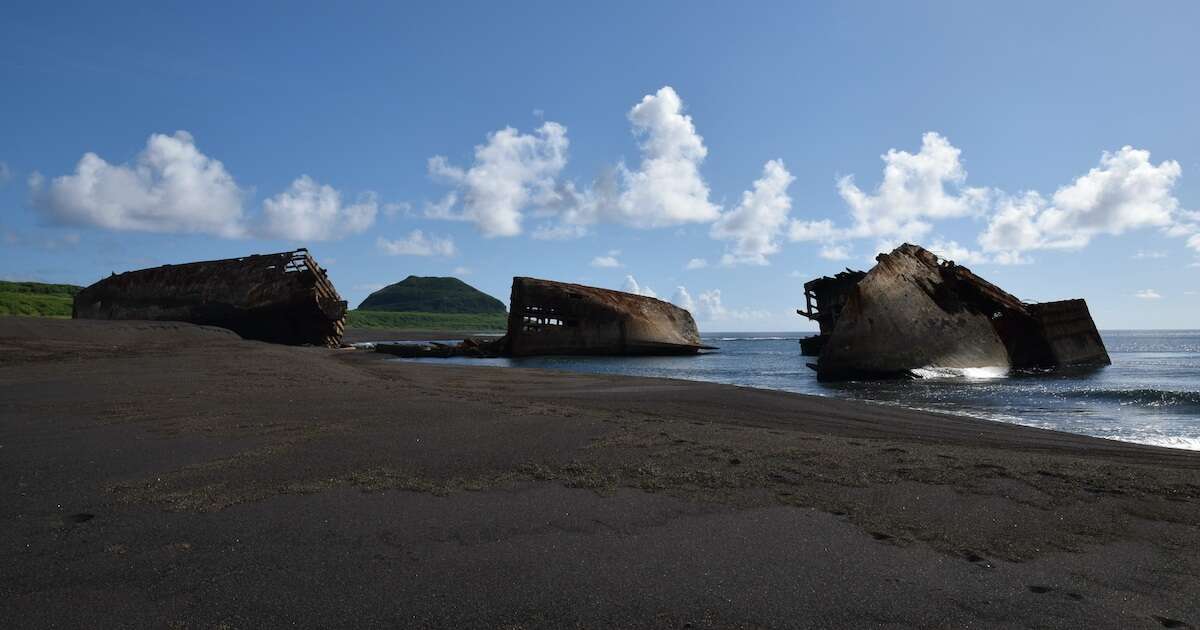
(1150, 394)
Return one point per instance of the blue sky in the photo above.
(1055, 149)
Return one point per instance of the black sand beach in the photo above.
(169, 475)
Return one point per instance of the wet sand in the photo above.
(168, 475)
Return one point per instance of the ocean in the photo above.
(1150, 394)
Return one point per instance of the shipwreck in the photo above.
(557, 318)
(913, 310)
(280, 298)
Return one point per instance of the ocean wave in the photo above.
(1169, 441)
(1142, 397)
(974, 373)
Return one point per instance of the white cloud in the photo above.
(417, 244)
(755, 224)
(795, 273)
(632, 286)
(1149, 254)
(683, 299)
(913, 191)
(951, 250)
(1125, 192)
(607, 262)
(309, 211)
(5, 173)
(696, 263)
(516, 175)
(666, 189)
(462, 271)
(834, 252)
(709, 308)
(822, 230)
(1148, 294)
(916, 189)
(511, 172)
(169, 187)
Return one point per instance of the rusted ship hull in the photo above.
(555, 318)
(913, 311)
(281, 298)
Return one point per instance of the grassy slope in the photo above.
(427, 321)
(417, 294)
(36, 299)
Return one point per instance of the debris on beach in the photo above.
(913, 310)
(556, 318)
(470, 347)
(281, 298)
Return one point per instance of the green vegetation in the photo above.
(429, 295)
(474, 322)
(37, 299)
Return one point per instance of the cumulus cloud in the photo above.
(1148, 294)
(755, 224)
(917, 188)
(417, 244)
(608, 261)
(631, 286)
(169, 187)
(310, 211)
(822, 230)
(517, 175)
(696, 263)
(683, 299)
(1125, 192)
(667, 188)
(511, 172)
(708, 307)
(951, 250)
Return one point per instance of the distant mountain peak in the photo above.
(432, 294)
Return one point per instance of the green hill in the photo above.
(429, 303)
(37, 299)
(416, 294)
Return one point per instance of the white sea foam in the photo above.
(972, 373)
(1169, 441)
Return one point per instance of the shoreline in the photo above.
(178, 465)
(366, 335)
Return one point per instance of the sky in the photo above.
(717, 155)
